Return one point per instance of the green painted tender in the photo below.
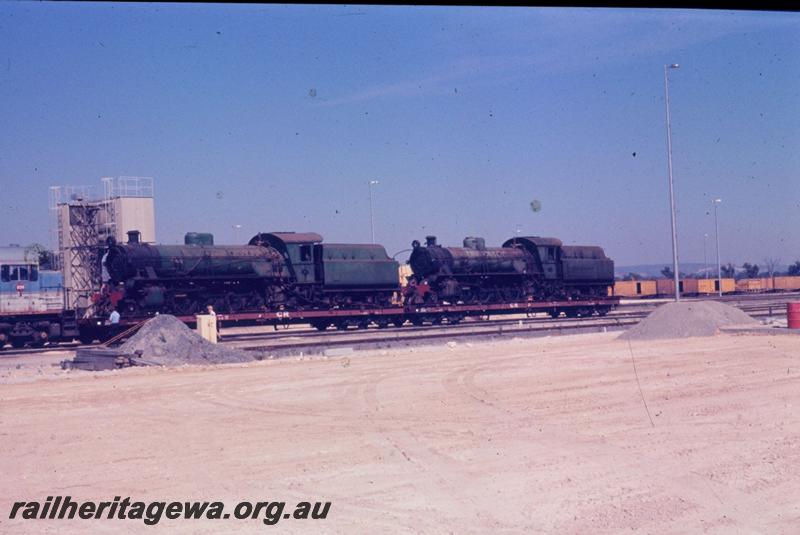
(358, 265)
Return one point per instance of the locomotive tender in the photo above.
(524, 268)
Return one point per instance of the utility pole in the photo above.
(671, 187)
(716, 230)
(371, 214)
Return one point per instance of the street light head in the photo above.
(371, 182)
(674, 66)
(716, 201)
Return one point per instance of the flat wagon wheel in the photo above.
(320, 325)
(454, 319)
(87, 337)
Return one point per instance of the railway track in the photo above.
(316, 343)
(377, 340)
(295, 339)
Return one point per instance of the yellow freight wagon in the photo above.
(667, 287)
(689, 286)
(728, 286)
(751, 285)
(711, 286)
(787, 283)
(634, 288)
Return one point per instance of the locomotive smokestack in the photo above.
(133, 236)
(430, 241)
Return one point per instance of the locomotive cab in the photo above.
(546, 251)
(300, 249)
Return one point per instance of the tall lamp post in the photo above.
(236, 233)
(715, 202)
(671, 188)
(705, 256)
(371, 215)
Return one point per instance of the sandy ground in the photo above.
(539, 435)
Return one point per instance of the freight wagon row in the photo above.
(666, 287)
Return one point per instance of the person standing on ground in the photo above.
(113, 322)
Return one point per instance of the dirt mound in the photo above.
(167, 340)
(685, 319)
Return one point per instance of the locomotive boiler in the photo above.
(275, 271)
(524, 268)
(183, 279)
(469, 274)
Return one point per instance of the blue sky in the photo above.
(276, 117)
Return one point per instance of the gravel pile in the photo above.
(685, 319)
(168, 341)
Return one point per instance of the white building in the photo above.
(84, 226)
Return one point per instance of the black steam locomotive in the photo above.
(288, 271)
(524, 268)
(276, 270)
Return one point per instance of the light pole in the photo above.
(671, 188)
(715, 202)
(236, 232)
(705, 257)
(371, 215)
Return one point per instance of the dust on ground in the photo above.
(527, 435)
